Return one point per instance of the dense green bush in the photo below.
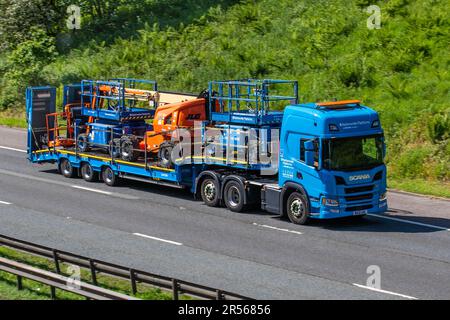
(413, 163)
(439, 126)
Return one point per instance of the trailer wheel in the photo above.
(233, 196)
(210, 192)
(66, 169)
(297, 208)
(128, 150)
(109, 177)
(87, 173)
(82, 143)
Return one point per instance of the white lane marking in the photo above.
(13, 149)
(65, 184)
(4, 202)
(409, 221)
(275, 228)
(158, 239)
(92, 190)
(385, 291)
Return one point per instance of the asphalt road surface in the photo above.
(165, 231)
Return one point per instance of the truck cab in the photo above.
(331, 161)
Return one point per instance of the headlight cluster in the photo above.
(330, 202)
(383, 196)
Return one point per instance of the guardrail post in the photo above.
(133, 281)
(53, 293)
(56, 260)
(93, 271)
(19, 283)
(175, 289)
(219, 295)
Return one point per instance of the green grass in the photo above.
(35, 291)
(13, 119)
(434, 188)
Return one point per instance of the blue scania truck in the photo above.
(329, 156)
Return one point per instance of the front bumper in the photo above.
(325, 212)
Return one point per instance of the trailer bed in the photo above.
(98, 160)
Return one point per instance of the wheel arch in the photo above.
(288, 189)
(202, 176)
(238, 179)
(95, 168)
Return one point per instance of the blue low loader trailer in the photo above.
(329, 156)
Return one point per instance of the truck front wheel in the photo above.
(233, 196)
(297, 208)
(210, 192)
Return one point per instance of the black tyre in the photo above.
(233, 196)
(297, 208)
(88, 173)
(82, 143)
(165, 154)
(129, 149)
(210, 192)
(114, 148)
(66, 169)
(109, 177)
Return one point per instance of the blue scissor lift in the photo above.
(248, 106)
(111, 106)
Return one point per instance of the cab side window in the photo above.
(302, 149)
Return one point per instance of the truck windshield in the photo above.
(355, 153)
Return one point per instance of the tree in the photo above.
(18, 17)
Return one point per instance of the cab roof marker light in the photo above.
(338, 103)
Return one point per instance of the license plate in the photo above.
(359, 212)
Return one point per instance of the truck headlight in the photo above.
(330, 202)
(383, 196)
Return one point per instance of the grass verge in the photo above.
(35, 291)
(15, 119)
(433, 188)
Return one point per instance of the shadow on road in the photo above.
(183, 194)
(380, 225)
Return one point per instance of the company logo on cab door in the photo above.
(359, 177)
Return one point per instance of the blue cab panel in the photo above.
(346, 175)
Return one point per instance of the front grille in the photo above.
(358, 189)
(367, 196)
(358, 208)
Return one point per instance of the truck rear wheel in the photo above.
(233, 196)
(109, 177)
(66, 169)
(210, 192)
(297, 208)
(87, 173)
